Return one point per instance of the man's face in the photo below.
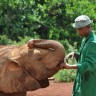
(83, 31)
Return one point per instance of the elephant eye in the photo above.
(39, 59)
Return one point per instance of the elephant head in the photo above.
(27, 69)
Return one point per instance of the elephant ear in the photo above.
(14, 79)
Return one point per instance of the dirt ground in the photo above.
(54, 89)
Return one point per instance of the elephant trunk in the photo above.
(56, 52)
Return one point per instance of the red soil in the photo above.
(54, 89)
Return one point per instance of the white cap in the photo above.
(82, 21)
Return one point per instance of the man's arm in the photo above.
(68, 66)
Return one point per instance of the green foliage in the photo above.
(24, 40)
(5, 40)
(65, 75)
(18, 18)
(50, 19)
(70, 48)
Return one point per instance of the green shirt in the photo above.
(85, 82)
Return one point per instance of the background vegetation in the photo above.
(21, 20)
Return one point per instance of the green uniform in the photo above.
(85, 82)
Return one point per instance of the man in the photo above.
(85, 82)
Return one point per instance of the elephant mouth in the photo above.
(43, 83)
(58, 66)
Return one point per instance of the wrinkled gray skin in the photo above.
(23, 69)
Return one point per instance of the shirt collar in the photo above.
(89, 36)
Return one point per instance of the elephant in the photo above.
(25, 69)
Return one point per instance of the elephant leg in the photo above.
(14, 94)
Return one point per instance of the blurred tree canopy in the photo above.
(45, 19)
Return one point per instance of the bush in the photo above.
(4, 40)
(24, 40)
(65, 75)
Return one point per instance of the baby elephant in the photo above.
(28, 67)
